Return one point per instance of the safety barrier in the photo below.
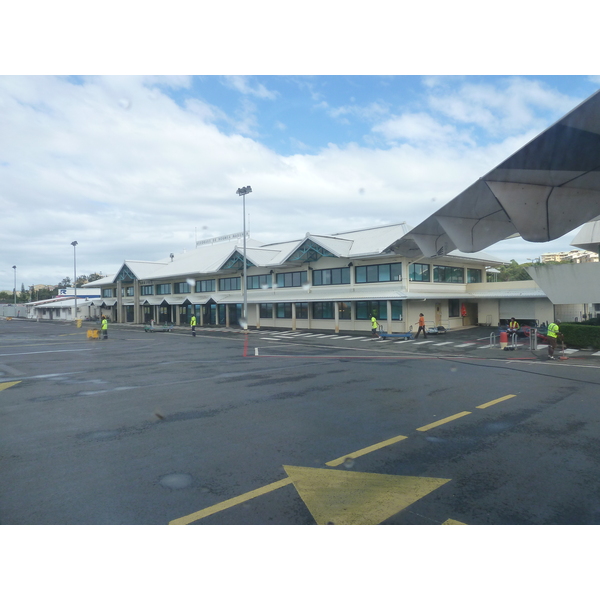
(533, 339)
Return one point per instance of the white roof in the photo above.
(210, 259)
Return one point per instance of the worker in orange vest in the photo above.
(421, 326)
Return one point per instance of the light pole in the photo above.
(15, 290)
(75, 277)
(242, 192)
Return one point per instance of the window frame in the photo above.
(209, 287)
(412, 274)
(322, 274)
(454, 271)
(280, 279)
(224, 288)
(376, 273)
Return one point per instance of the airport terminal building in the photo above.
(320, 282)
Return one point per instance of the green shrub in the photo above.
(581, 335)
(595, 321)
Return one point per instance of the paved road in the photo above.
(282, 428)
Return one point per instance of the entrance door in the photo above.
(438, 314)
(210, 313)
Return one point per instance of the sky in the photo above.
(141, 166)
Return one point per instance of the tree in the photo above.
(66, 282)
(514, 271)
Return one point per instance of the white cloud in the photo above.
(501, 108)
(119, 166)
(369, 112)
(418, 128)
(243, 85)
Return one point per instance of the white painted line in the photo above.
(45, 352)
(345, 337)
(570, 350)
(425, 342)
(463, 345)
(596, 354)
(443, 343)
(403, 342)
(487, 347)
(329, 336)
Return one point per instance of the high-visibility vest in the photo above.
(552, 330)
(513, 325)
(104, 324)
(193, 321)
(374, 323)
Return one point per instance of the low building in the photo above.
(576, 256)
(62, 307)
(324, 282)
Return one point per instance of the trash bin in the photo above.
(93, 334)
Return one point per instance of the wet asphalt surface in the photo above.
(145, 428)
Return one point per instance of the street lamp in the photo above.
(75, 276)
(242, 192)
(15, 289)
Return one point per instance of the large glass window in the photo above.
(323, 310)
(257, 282)
(473, 275)
(147, 290)
(344, 310)
(454, 308)
(331, 276)
(266, 310)
(163, 288)
(284, 310)
(301, 310)
(229, 283)
(206, 285)
(365, 309)
(181, 287)
(129, 290)
(107, 293)
(448, 274)
(419, 272)
(378, 273)
(295, 279)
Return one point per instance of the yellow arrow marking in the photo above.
(452, 522)
(5, 386)
(350, 498)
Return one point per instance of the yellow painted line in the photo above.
(211, 510)
(492, 402)
(5, 386)
(442, 421)
(339, 461)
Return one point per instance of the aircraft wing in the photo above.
(544, 190)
